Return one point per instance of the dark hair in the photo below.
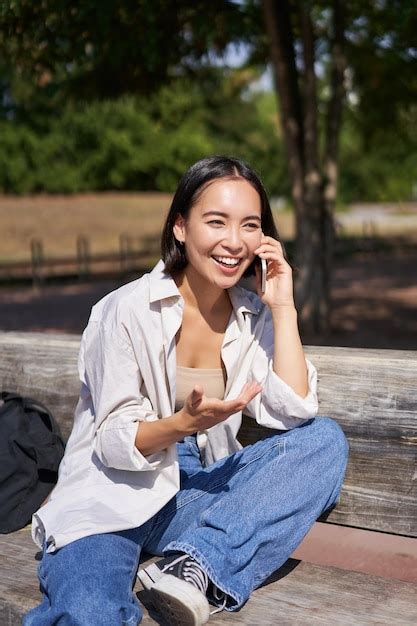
(189, 189)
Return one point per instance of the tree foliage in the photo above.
(87, 50)
(382, 53)
(142, 143)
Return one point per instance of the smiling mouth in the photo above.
(227, 261)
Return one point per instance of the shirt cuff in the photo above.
(115, 447)
(281, 407)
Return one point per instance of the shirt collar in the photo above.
(242, 301)
(163, 286)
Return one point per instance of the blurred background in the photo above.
(104, 105)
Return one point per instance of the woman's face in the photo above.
(222, 231)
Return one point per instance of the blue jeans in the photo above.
(240, 518)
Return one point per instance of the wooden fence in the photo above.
(137, 254)
(134, 254)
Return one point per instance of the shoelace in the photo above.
(219, 596)
(192, 573)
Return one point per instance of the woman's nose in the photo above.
(233, 240)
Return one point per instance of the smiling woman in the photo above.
(196, 182)
(167, 365)
(221, 242)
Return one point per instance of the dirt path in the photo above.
(374, 302)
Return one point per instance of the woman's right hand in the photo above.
(198, 413)
(201, 413)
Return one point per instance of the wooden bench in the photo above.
(371, 393)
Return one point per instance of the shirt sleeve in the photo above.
(278, 406)
(109, 370)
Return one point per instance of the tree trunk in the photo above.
(333, 124)
(313, 190)
(314, 295)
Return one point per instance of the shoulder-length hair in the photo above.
(189, 189)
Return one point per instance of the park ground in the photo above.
(374, 305)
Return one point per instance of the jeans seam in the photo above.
(134, 598)
(41, 574)
(279, 444)
(136, 565)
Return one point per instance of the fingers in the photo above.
(272, 250)
(269, 245)
(198, 403)
(267, 239)
(249, 391)
(196, 396)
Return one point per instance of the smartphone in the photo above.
(264, 269)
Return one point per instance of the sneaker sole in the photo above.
(179, 602)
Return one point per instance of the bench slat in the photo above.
(371, 393)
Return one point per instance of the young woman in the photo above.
(167, 365)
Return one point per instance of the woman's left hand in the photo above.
(279, 290)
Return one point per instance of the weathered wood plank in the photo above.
(373, 396)
(298, 594)
(43, 366)
(371, 393)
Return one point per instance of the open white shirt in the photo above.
(127, 368)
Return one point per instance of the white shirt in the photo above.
(127, 367)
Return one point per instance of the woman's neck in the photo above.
(207, 298)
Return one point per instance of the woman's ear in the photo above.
(179, 228)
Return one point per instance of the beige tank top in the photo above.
(212, 381)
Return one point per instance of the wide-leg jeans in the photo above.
(240, 518)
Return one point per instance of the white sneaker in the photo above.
(178, 587)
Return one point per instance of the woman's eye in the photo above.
(252, 225)
(216, 222)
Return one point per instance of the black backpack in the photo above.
(31, 449)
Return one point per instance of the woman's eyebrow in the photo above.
(221, 214)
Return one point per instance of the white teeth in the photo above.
(226, 260)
